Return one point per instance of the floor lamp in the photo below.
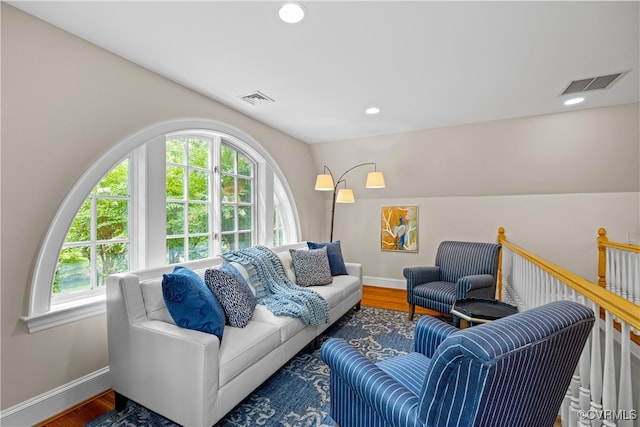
(326, 182)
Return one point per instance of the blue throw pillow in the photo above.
(334, 252)
(311, 267)
(190, 303)
(234, 295)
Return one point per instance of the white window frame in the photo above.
(62, 299)
(143, 149)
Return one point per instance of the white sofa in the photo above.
(187, 376)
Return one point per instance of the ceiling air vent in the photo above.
(257, 98)
(593, 83)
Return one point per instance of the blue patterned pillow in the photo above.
(334, 252)
(190, 303)
(311, 267)
(236, 298)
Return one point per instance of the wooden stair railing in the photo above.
(598, 396)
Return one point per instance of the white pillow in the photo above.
(287, 263)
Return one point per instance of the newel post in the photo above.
(501, 239)
(602, 257)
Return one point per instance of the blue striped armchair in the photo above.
(514, 371)
(462, 270)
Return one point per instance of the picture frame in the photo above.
(399, 228)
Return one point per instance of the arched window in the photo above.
(175, 192)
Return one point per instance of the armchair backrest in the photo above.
(459, 259)
(511, 372)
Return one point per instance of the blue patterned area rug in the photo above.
(379, 334)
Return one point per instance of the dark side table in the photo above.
(472, 311)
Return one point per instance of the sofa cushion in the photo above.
(154, 301)
(288, 326)
(243, 347)
(235, 297)
(311, 267)
(334, 253)
(287, 264)
(230, 266)
(190, 303)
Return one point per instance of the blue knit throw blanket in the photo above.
(275, 290)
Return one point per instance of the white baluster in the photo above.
(596, 367)
(574, 392)
(635, 279)
(610, 275)
(625, 267)
(609, 377)
(584, 367)
(625, 397)
(618, 275)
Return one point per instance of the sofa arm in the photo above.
(354, 269)
(359, 388)
(156, 363)
(479, 286)
(429, 333)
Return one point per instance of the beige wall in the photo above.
(64, 103)
(550, 180)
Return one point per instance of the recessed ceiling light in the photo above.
(573, 101)
(372, 110)
(291, 13)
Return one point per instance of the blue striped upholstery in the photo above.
(462, 270)
(510, 372)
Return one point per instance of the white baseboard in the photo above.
(55, 401)
(384, 282)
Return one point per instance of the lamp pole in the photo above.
(335, 191)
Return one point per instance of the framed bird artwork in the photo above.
(399, 228)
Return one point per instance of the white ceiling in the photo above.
(425, 64)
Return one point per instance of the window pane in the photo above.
(228, 214)
(113, 258)
(199, 153)
(198, 218)
(244, 190)
(175, 218)
(175, 182)
(244, 218)
(228, 189)
(116, 182)
(74, 270)
(175, 250)
(175, 151)
(198, 247)
(227, 160)
(112, 219)
(228, 242)
(245, 167)
(80, 230)
(198, 185)
(244, 240)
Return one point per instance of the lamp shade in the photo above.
(375, 180)
(324, 182)
(345, 195)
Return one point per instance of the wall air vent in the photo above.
(592, 83)
(257, 98)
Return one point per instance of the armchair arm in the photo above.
(375, 391)
(429, 333)
(479, 285)
(417, 276)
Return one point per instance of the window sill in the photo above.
(66, 313)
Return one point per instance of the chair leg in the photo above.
(120, 401)
(412, 310)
